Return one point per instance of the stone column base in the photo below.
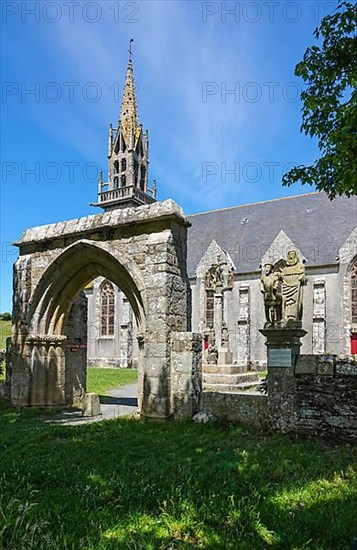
(186, 373)
(225, 356)
(283, 349)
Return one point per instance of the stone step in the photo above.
(231, 379)
(228, 388)
(224, 369)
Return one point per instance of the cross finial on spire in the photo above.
(130, 50)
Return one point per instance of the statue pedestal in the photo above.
(225, 356)
(283, 344)
(283, 347)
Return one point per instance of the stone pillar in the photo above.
(243, 354)
(319, 318)
(218, 317)
(283, 349)
(167, 291)
(38, 372)
(19, 370)
(186, 373)
(125, 334)
(141, 367)
(75, 370)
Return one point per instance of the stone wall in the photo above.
(326, 397)
(317, 398)
(247, 409)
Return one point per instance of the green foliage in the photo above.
(5, 316)
(128, 484)
(100, 380)
(330, 105)
(5, 332)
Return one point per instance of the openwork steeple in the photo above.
(129, 120)
(128, 148)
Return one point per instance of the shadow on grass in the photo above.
(133, 484)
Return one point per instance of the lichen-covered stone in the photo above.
(143, 251)
(91, 405)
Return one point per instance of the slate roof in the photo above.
(317, 226)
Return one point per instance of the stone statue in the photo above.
(212, 351)
(270, 286)
(293, 280)
(230, 278)
(209, 283)
(225, 335)
(214, 277)
(219, 272)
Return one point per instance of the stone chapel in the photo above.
(226, 250)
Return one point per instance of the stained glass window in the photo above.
(209, 309)
(107, 309)
(354, 291)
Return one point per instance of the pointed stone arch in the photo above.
(143, 252)
(208, 259)
(70, 272)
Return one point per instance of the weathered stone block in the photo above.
(247, 409)
(91, 405)
(306, 364)
(225, 357)
(186, 379)
(325, 366)
(346, 366)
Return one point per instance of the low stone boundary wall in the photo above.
(326, 396)
(316, 398)
(247, 409)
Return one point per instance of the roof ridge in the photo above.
(255, 203)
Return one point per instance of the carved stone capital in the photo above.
(46, 339)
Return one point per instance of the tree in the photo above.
(329, 109)
(5, 316)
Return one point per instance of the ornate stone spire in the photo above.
(128, 152)
(129, 120)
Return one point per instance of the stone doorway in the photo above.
(142, 251)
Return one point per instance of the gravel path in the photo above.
(118, 402)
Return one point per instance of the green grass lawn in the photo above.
(129, 484)
(5, 331)
(101, 380)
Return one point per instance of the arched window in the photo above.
(209, 308)
(142, 178)
(107, 309)
(354, 292)
(136, 171)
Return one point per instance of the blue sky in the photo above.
(187, 57)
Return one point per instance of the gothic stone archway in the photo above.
(143, 251)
